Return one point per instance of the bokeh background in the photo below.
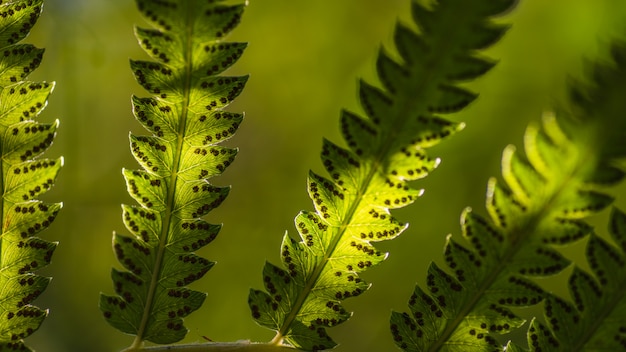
(304, 59)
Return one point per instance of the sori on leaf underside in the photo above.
(25, 176)
(186, 118)
(547, 193)
(385, 150)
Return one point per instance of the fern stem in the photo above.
(239, 346)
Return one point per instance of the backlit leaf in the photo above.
(25, 176)
(385, 150)
(186, 120)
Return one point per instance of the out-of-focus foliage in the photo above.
(303, 60)
(550, 188)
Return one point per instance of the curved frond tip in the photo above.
(546, 195)
(386, 150)
(186, 120)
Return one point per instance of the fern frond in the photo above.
(186, 118)
(596, 320)
(544, 200)
(25, 176)
(386, 150)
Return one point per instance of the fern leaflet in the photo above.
(386, 150)
(596, 319)
(546, 197)
(25, 176)
(186, 118)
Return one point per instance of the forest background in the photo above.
(304, 58)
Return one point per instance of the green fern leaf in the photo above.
(187, 121)
(25, 176)
(543, 202)
(386, 150)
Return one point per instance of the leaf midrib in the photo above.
(171, 192)
(404, 106)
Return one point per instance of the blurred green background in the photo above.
(304, 58)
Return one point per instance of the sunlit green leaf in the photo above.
(25, 176)
(186, 120)
(385, 150)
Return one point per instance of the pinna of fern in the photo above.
(386, 150)
(544, 201)
(25, 176)
(595, 319)
(186, 118)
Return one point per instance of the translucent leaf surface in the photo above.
(385, 150)
(186, 122)
(545, 196)
(25, 176)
